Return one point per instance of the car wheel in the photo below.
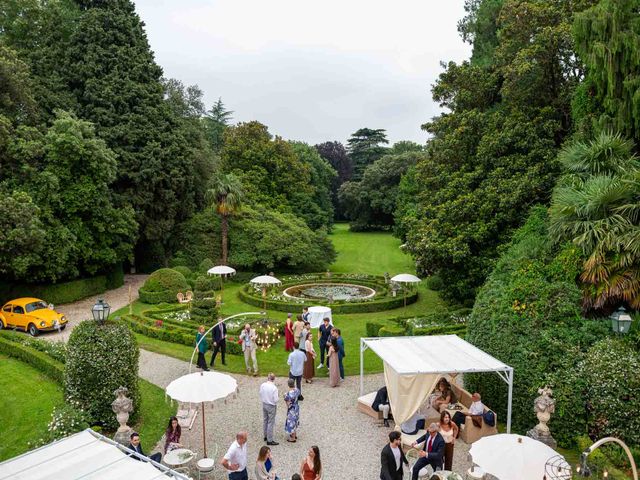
(63, 327)
(1, 325)
(33, 331)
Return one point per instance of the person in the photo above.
(293, 411)
(381, 404)
(449, 432)
(311, 467)
(219, 334)
(415, 423)
(308, 371)
(134, 444)
(324, 333)
(476, 409)
(298, 325)
(443, 395)
(305, 314)
(296, 476)
(432, 453)
(334, 364)
(264, 465)
(235, 460)
(296, 362)
(203, 346)
(288, 334)
(269, 399)
(248, 338)
(392, 458)
(341, 353)
(303, 334)
(172, 435)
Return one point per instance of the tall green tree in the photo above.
(365, 146)
(338, 158)
(216, 120)
(225, 195)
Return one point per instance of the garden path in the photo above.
(349, 441)
(81, 310)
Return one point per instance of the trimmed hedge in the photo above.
(39, 360)
(391, 331)
(163, 285)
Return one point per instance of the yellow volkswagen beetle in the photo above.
(31, 315)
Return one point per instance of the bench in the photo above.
(364, 405)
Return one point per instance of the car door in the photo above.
(19, 318)
(6, 313)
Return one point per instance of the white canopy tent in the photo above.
(317, 314)
(86, 455)
(413, 365)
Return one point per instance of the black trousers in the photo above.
(221, 347)
(458, 418)
(202, 362)
(323, 349)
(156, 457)
(420, 464)
(298, 379)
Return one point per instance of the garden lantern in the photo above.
(621, 321)
(100, 311)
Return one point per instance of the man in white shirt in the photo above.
(296, 366)
(269, 399)
(476, 410)
(235, 460)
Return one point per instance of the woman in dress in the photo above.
(172, 435)
(443, 395)
(309, 369)
(264, 465)
(311, 468)
(288, 334)
(449, 432)
(293, 411)
(334, 364)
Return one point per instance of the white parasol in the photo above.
(221, 270)
(405, 278)
(509, 456)
(264, 281)
(200, 387)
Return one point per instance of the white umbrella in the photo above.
(200, 387)
(405, 278)
(265, 280)
(221, 270)
(510, 456)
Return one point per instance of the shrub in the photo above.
(435, 283)
(391, 331)
(204, 311)
(206, 283)
(185, 271)
(206, 265)
(100, 359)
(39, 360)
(162, 286)
(373, 328)
(55, 350)
(56, 293)
(115, 278)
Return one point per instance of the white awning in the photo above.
(433, 354)
(87, 455)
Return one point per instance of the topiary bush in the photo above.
(186, 271)
(204, 311)
(435, 283)
(391, 331)
(205, 265)
(100, 359)
(162, 286)
(206, 285)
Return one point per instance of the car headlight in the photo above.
(43, 323)
(63, 318)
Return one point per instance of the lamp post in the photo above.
(621, 321)
(100, 311)
(583, 469)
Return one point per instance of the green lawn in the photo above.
(26, 403)
(371, 253)
(154, 416)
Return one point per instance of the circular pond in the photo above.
(330, 291)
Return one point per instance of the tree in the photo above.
(216, 120)
(225, 195)
(596, 206)
(336, 155)
(365, 147)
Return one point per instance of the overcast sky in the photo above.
(311, 71)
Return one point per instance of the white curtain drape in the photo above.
(407, 392)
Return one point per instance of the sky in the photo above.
(311, 71)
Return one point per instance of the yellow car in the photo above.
(31, 315)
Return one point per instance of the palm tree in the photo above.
(226, 195)
(596, 205)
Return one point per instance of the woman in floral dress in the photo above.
(293, 411)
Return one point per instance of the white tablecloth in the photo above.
(317, 314)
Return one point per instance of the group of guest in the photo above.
(248, 339)
(235, 462)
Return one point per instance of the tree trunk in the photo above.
(224, 232)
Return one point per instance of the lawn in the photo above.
(154, 416)
(26, 403)
(371, 252)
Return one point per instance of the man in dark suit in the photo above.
(219, 334)
(432, 453)
(136, 447)
(341, 353)
(381, 404)
(392, 458)
(324, 334)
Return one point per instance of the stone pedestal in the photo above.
(122, 406)
(547, 439)
(123, 437)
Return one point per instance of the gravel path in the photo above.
(349, 441)
(78, 311)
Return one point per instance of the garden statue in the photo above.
(328, 273)
(218, 301)
(386, 277)
(122, 406)
(544, 406)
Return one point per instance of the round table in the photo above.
(317, 314)
(178, 457)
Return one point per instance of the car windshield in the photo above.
(35, 306)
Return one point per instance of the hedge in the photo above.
(391, 331)
(39, 360)
(163, 285)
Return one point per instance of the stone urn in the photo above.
(122, 406)
(543, 406)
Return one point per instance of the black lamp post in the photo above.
(621, 321)
(100, 311)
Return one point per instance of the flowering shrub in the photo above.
(101, 358)
(66, 420)
(56, 350)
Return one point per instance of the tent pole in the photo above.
(510, 373)
(204, 437)
(361, 367)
